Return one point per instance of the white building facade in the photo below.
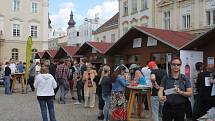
(78, 35)
(18, 20)
(108, 32)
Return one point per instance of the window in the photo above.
(34, 7)
(210, 17)
(16, 30)
(143, 4)
(104, 38)
(15, 54)
(125, 29)
(34, 51)
(125, 8)
(77, 34)
(134, 22)
(16, 5)
(134, 6)
(167, 20)
(34, 31)
(213, 16)
(112, 38)
(186, 21)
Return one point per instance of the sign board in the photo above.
(94, 50)
(189, 59)
(137, 42)
(105, 61)
(210, 60)
(151, 42)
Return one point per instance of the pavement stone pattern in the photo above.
(25, 107)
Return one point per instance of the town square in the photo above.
(107, 60)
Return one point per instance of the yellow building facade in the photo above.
(18, 20)
(194, 16)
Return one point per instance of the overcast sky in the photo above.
(59, 11)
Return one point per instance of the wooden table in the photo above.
(132, 101)
(22, 77)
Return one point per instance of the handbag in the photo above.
(90, 84)
(119, 114)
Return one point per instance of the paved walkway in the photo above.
(24, 107)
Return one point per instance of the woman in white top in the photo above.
(45, 85)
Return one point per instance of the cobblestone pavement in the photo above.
(24, 107)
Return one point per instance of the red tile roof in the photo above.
(174, 39)
(101, 47)
(108, 25)
(40, 54)
(70, 50)
(51, 53)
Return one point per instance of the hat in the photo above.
(132, 66)
(152, 64)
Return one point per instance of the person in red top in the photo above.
(62, 74)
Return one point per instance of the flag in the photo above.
(28, 58)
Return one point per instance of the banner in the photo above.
(28, 58)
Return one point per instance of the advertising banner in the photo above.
(28, 58)
(189, 59)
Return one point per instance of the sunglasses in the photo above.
(175, 64)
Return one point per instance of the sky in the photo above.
(59, 11)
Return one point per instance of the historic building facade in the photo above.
(18, 20)
(194, 16)
(108, 32)
(78, 35)
(136, 12)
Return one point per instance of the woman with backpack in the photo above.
(177, 88)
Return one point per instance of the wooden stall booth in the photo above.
(141, 44)
(49, 55)
(94, 52)
(66, 52)
(205, 43)
(39, 55)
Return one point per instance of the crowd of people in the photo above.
(170, 95)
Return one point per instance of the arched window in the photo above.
(34, 51)
(15, 54)
(125, 27)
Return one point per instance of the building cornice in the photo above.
(1, 15)
(34, 20)
(16, 19)
(163, 3)
(112, 27)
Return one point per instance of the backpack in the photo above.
(176, 99)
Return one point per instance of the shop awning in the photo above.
(100, 47)
(174, 39)
(66, 51)
(49, 54)
(203, 39)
